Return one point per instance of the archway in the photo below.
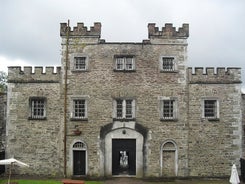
(79, 158)
(124, 143)
(169, 159)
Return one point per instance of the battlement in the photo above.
(81, 30)
(38, 75)
(214, 76)
(168, 31)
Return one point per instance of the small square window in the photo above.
(80, 63)
(168, 64)
(37, 108)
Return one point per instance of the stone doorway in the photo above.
(123, 156)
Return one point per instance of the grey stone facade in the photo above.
(3, 108)
(186, 143)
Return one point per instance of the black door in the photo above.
(123, 156)
(79, 162)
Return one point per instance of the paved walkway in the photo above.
(124, 181)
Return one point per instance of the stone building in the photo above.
(127, 109)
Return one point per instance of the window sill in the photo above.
(124, 71)
(212, 119)
(79, 119)
(124, 119)
(166, 71)
(78, 71)
(41, 119)
(170, 119)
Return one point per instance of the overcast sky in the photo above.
(29, 30)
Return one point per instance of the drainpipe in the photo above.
(65, 96)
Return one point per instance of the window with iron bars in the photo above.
(80, 63)
(167, 64)
(168, 110)
(210, 108)
(38, 108)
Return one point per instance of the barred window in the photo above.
(37, 108)
(124, 109)
(210, 108)
(79, 109)
(167, 64)
(168, 109)
(125, 63)
(80, 63)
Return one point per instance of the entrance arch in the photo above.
(79, 158)
(169, 158)
(124, 143)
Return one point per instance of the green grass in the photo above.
(44, 182)
(100, 182)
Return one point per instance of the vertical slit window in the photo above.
(119, 108)
(129, 109)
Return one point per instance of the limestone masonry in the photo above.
(124, 109)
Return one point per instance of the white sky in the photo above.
(29, 30)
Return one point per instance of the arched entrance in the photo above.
(169, 159)
(79, 158)
(123, 153)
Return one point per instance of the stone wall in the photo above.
(3, 109)
(35, 142)
(214, 144)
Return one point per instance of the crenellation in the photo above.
(211, 75)
(39, 74)
(81, 30)
(168, 31)
(38, 70)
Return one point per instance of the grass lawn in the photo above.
(44, 182)
(101, 182)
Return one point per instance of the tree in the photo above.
(3, 81)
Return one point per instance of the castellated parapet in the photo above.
(81, 30)
(211, 75)
(16, 75)
(168, 31)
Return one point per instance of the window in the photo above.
(168, 109)
(80, 63)
(125, 63)
(37, 108)
(124, 109)
(79, 109)
(168, 64)
(210, 109)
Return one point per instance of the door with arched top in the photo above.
(79, 159)
(169, 159)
